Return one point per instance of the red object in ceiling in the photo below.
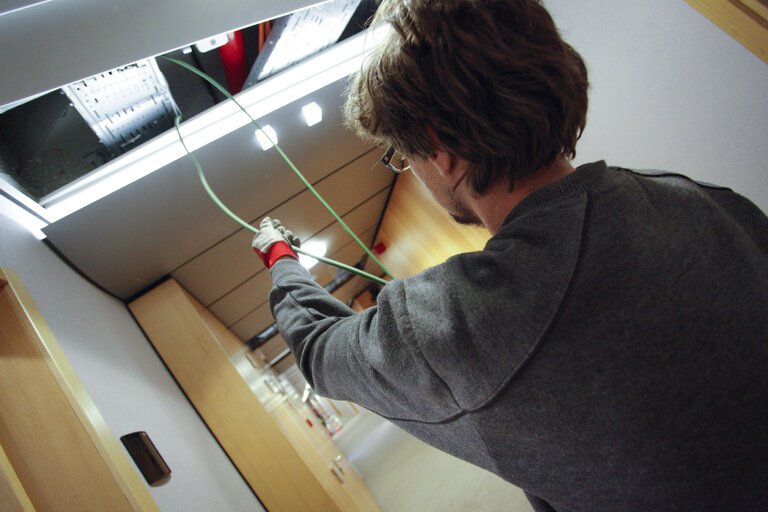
(234, 61)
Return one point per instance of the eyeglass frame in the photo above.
(386, 159)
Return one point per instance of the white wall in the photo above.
(671, 91)
(130, 385)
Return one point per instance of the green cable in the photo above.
(247, 226)
(284, 156)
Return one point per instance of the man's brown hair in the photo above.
(492, 79)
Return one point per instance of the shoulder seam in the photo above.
(535, 346)
(668, 174)
(412, 337)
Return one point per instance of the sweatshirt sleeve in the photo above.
(371, 358)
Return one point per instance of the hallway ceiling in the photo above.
(50, 140)
(164, 224)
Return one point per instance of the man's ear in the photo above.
(444, 162)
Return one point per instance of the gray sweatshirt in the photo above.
(607, 350)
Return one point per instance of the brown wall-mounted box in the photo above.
(147, 458)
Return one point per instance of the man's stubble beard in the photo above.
(463, 215)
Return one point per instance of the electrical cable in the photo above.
(287, 160)
(247, 226)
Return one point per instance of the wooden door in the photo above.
(56, 451)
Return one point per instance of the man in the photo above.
(608, 349)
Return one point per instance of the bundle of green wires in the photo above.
(288, 161)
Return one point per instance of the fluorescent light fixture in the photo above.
(267, 137)
(264, 98)
(315, 247)
(313, 114)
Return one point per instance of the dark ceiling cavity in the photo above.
(47, 143)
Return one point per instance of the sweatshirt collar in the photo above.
(581, 180)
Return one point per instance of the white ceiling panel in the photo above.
(256, 291)
(249, 295)
(350, 253)
(155, 226)
(75, 39)
(253, 323)
(245, 298)
(210, 275)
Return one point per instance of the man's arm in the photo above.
(371, 358)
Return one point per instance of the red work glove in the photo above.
(273, 242)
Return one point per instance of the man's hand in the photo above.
(273, 242)
(270, 232)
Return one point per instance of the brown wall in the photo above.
(418, 233)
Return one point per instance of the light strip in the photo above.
(15, 212)
(262, 99)
(20, 4)
(12, 192)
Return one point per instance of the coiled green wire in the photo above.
(247, 226)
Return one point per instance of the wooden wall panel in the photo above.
(418, 233)
(51, 433)
(313, 444)
(745, 20)
(245, 430)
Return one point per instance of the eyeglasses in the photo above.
(387, 160)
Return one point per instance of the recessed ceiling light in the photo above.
(315, 247)
(313, 114)
(267, 137)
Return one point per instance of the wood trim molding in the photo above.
(13, 497)
(744, 20)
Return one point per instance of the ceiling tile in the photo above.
(135, 236)
(249, 300)
(212, 274)
(253, 323)
(350, 253)
(243, 299)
